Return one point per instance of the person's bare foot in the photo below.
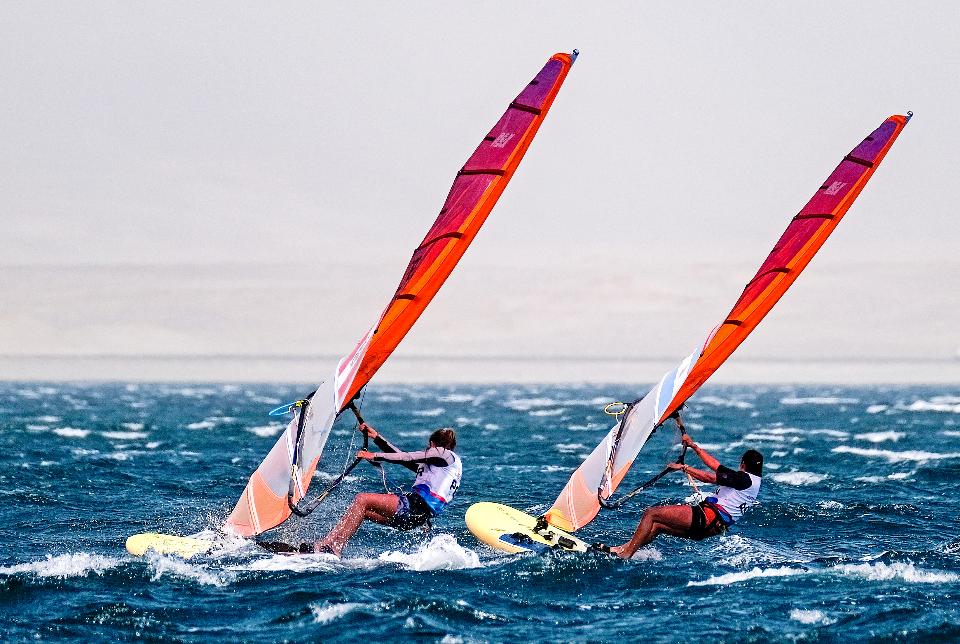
(618, 550)
(321, 547)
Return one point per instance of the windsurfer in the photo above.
(738, 489)
(438, 471)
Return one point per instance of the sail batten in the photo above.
(605, 468)
(476, 188)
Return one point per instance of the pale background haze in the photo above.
(243, 180)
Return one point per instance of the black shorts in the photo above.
(707, 522)
(412, 512)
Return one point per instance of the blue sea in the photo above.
(856, 537)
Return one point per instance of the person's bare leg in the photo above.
(668, 519)
(373, 506)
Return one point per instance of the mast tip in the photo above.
(909, 115)
(576, 52)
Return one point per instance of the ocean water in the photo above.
(856, 537)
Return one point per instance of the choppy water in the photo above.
(856, 537)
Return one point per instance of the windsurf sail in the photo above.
(599, 475)
(285, 474)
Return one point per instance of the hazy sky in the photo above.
(317, 137)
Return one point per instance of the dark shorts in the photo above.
(707, 522)
(412, 512)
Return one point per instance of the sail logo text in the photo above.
(835, 187)
(502, 140)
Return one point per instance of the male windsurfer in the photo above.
(738, 489)
(438, 471)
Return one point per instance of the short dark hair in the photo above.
(446, 438)
(752, 462)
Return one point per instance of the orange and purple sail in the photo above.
(265, 503)
(600, 474)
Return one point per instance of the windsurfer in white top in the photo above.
(738, 489)
(438, 471)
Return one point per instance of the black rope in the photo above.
(613, 505)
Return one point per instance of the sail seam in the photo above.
(828, 215)
(525, 108)
(453, 235)
(497, 171)
(853, 159)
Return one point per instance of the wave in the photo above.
(894, 457)
(202, 424)
(717, 401)
(120, 436)
(71, 432)
(799, 478)
(876, 409)
(526, 404)
(161, 566)
(903, 571)
(811, 617)
(266, 431)
(833, 433)
(326, 613)
(78, 564)
(755, 573)
(547, 412)
(818, 400)
(934, 405)
(880, 437)
(442, 552)
(871, 571)
(950, 433)
(436, 411)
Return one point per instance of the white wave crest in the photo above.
(880, 437)
(456, 398)
(799, 478)
(904, 571)
(295, 563)
(724, 402)
(176, 567)
(122, 436)
(76, 564)
(755, 573)
(202, 424)
(441, 553)
(436, 411)
(328, 612)
(526, 404)
(818, 400)
(547, 412)
(266, 431)
(894, 457)
(876, 409)
(934, 405)
(71, 432)
(951, 433)
(811, 617)
(133, 427)
(647, 554)
(833, 433)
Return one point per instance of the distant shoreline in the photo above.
(469, 369)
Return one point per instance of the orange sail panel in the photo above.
(475, 191)
(600, 474)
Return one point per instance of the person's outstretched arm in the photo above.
(701, 475)
(705, 456)
(386, 447)
(411, 460)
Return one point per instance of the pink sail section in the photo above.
(602, 471)
(475, 191)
